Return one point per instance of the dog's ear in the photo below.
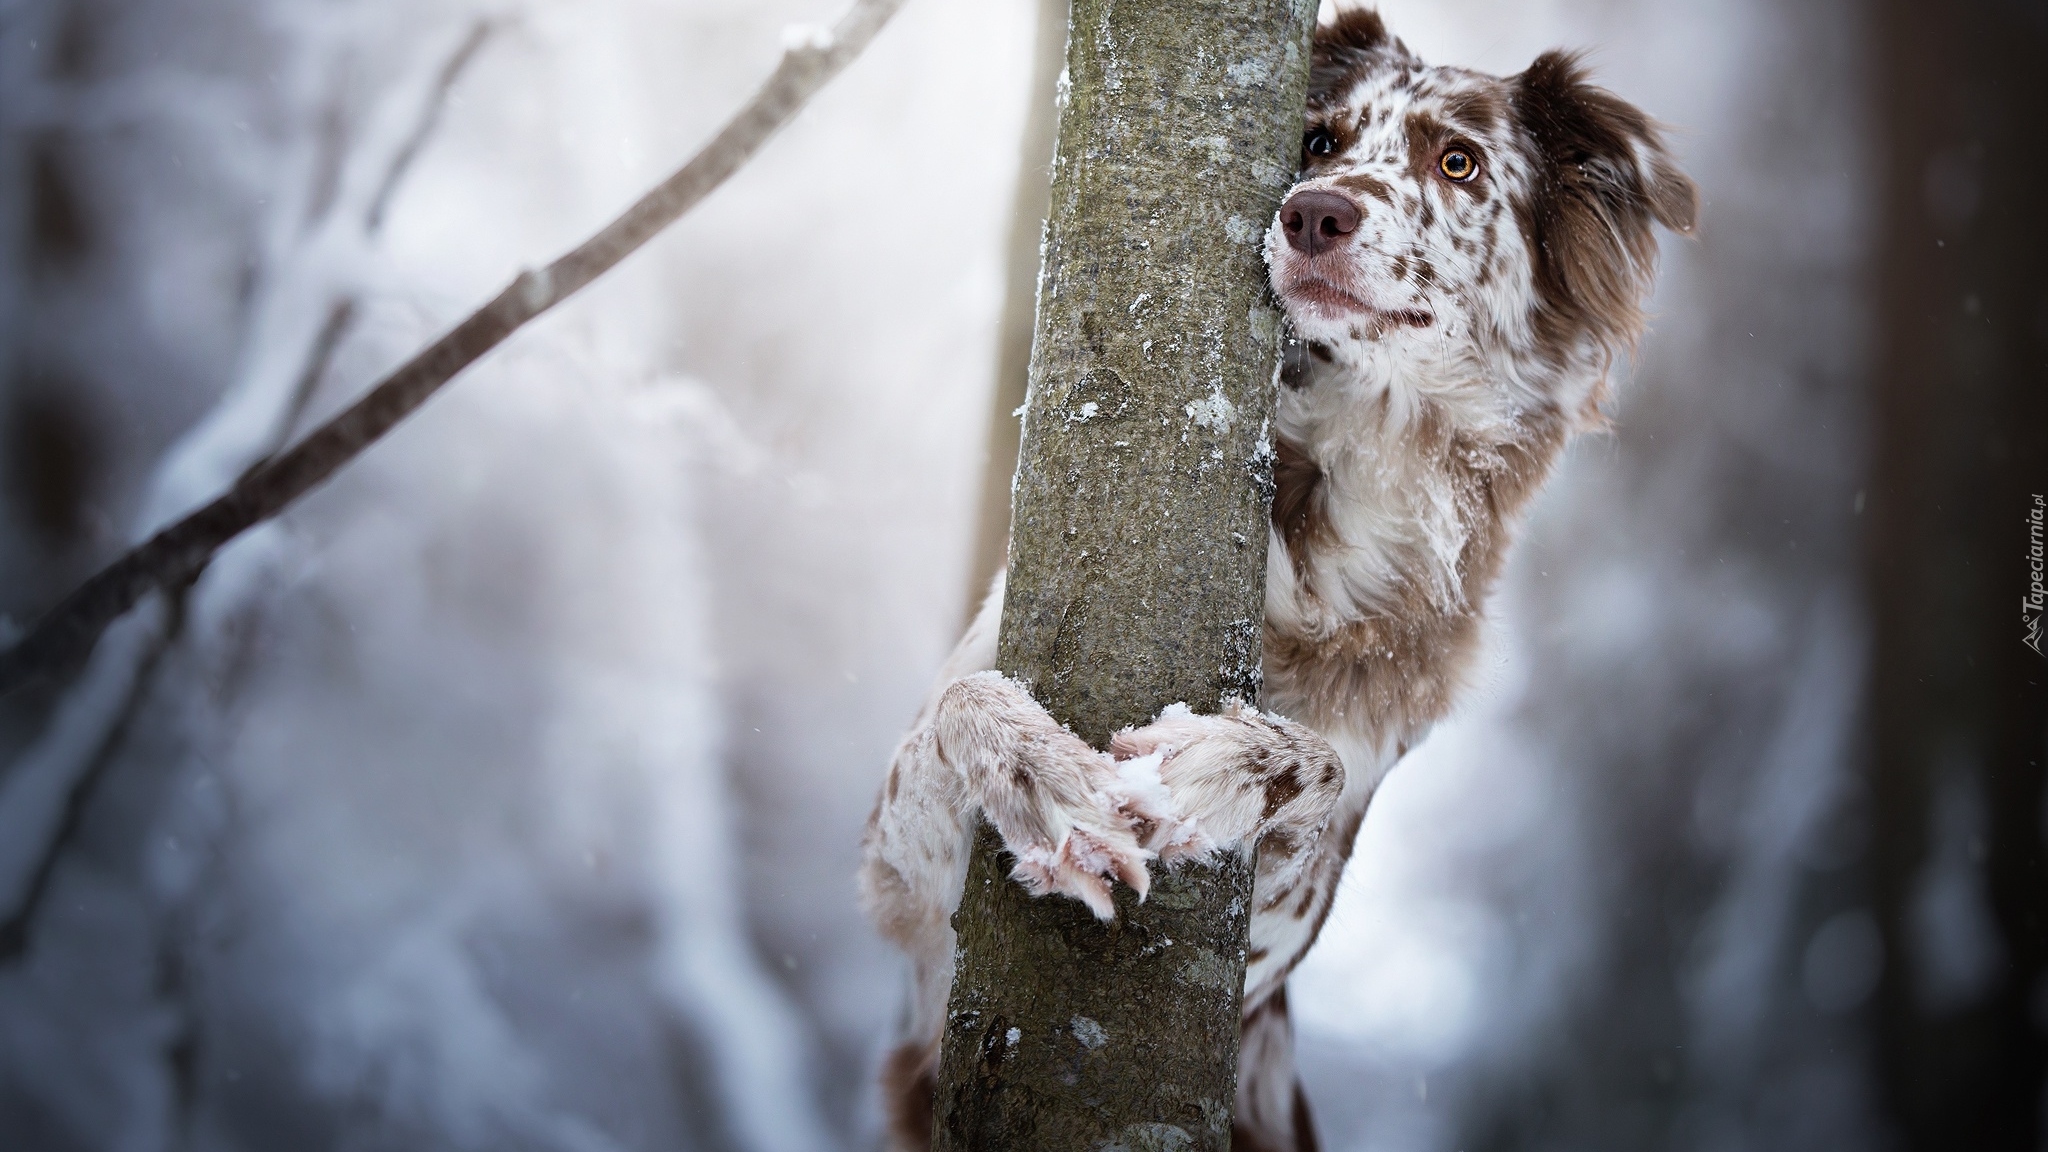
(1603, 181)
(1343, 47)
(1354, 29)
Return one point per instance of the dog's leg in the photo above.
(984, 748)
(989, 750)
(1245, 778)
(1272, 1110)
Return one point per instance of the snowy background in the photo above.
(507, 792)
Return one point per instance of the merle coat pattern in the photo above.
(1463, 262)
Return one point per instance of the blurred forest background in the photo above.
(507, 793)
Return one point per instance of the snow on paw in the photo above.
(1144, 800)
(1176, 729)
(1232, 779)
(1188, 769)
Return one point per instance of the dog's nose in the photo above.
(1317, 221)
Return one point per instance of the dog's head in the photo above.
(1447, 222)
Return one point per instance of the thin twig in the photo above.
(181, 551)
(16, 924)
(340, 315)
(437, 101)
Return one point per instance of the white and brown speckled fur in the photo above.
(1447, 349)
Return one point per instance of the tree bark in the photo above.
(1137, 565)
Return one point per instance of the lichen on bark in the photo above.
(1137, 565)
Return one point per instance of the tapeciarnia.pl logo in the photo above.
(2036, 598)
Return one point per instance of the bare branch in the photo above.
(178, 553)
(430, 117)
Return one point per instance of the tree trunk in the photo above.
(1137, 565)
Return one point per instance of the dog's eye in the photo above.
(1318, 142)
(1458, 164)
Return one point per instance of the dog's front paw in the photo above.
(1082, 865)
(1230, 779)
(1151, 769)
(1051, 797)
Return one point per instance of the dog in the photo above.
(1463, 262)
